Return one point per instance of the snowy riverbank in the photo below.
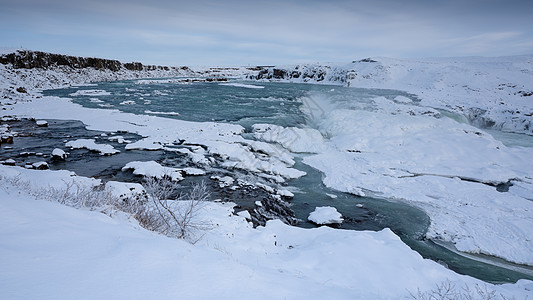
(66, 253)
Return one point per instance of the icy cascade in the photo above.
(489, 92)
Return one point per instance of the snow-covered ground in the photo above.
(398, 151)
(51, 251)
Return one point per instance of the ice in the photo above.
(193, 171)
(90, 93)
(42, 123)
(127, 102)
(224, 181)
(325, 215)
(444, 167)
(169, 113)
(119, 139)
(300, 140)
(248, 86)
(153, 169)
(145, 144)
(90, 144)
(285, 193)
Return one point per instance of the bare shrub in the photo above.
(78, 195)
(447, 290)
(162, 209)
(72, 194)
(177, 217)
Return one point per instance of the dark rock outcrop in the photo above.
(26, 59)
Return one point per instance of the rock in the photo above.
(8, 139)
(42, 123)
(42, 165)
(22, 90)
(9, 162)
(279, 73)
(58, 154)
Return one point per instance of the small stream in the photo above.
(276, 103)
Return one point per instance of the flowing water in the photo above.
(280, 104)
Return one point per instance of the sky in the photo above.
(274, 32)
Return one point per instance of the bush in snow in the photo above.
(178, 217)
(72, 194)
(447, 290)
(160, 209)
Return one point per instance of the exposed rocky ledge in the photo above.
(27, 59)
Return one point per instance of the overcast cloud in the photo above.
(249, 32)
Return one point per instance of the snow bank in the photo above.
(60, 251)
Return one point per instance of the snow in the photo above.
(119, 139)
(65, 253)
(40, 165)
(484, 89)
(403, 149)
(169, 113)
(325, 215)
(125, 190)
(245, 214)
(9, 161)
(193, 171)
(90, 144)
(407, 149)
(145, 144)
(422, 160)
(41, 123)
(90, 93)
(248, 86)
(224, 181)
(127, 102)
(285, 193)
(299, 140)
(153, 169)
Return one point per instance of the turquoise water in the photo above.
(280, 104)
(275, 103)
